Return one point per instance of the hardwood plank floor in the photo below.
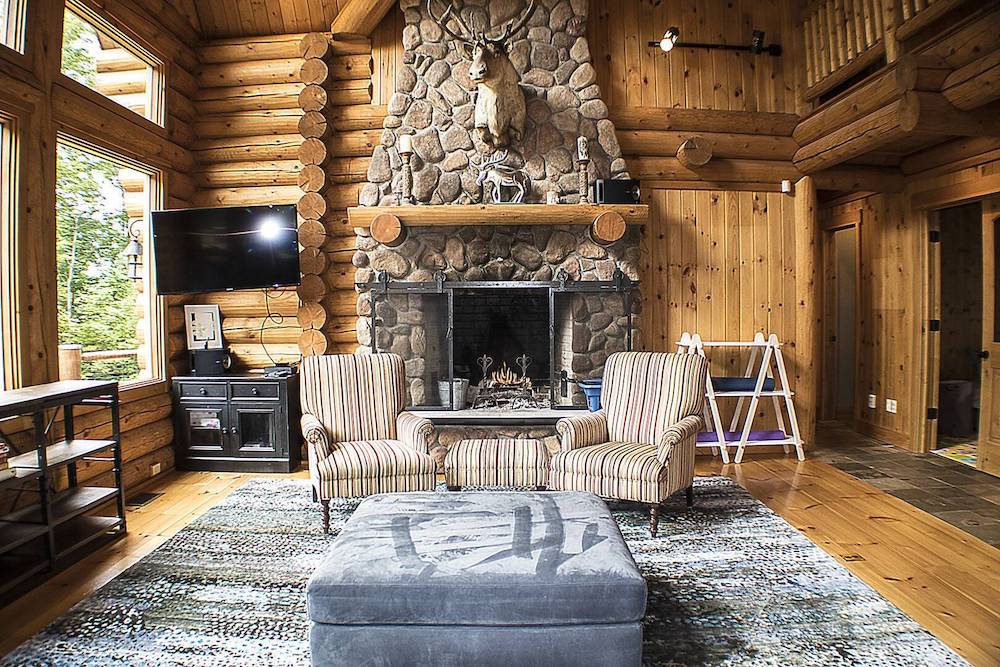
(947, 580)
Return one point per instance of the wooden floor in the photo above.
(948, 581)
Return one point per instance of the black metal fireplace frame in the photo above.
(381, 285)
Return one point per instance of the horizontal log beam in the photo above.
(720, 170)
(248, 123)
(243, 49)
(498, 214)
(229, 99)
(703, 120)
(976, 84)
(241, 149)
(278, 70)
(666, 143)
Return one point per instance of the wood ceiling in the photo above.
(238, 18)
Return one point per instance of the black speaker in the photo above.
(616, 191)
(207, 363)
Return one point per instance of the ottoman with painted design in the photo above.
(478, 578)
(497, 462)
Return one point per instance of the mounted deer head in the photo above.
(499, 116)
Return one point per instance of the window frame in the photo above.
(15, 28)
(156, 327)
(10, 376)
(156, 81)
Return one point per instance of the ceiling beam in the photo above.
(360, 17)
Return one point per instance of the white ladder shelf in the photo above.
(769, 352)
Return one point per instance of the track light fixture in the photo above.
(669, 41)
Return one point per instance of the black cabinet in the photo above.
(237, 423)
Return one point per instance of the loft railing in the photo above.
(842, 38)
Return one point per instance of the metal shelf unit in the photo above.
(43, 530)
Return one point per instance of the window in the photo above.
(8, 298)
(12, 24)
(107, 319)
(120, 71)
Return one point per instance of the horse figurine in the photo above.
(500, 176)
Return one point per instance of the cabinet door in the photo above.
(253, 430)
(205, 427)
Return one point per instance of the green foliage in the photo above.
(96, 298)
(79, 46)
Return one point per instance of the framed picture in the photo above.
(204, 327)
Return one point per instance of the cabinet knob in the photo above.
(255, 391)
(203, 391)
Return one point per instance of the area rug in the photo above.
(730, 583)
(964, 452)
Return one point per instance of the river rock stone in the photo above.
(583, 76)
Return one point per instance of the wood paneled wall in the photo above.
(720, 263)
(44, 102)
(633, 74)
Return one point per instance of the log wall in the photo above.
(246, 142)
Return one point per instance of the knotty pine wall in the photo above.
(632, 74)
(45, 102)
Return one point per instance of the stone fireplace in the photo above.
(545, 291)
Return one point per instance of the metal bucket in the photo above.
(456, 400)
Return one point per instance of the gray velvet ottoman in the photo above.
(477, 578)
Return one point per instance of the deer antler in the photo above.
(443, 22)
(490, 160)
(511, 28)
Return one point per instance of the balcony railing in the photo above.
(71, 357)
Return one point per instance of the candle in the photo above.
(582, 152)
(405, 143)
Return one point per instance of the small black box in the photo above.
(616, 191)
(208, 363)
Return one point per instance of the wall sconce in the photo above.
(756, 46)
(133, 251)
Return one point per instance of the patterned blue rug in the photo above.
(730, 583)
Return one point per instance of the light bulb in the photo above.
(669, 39)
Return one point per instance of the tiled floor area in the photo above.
(962, 496)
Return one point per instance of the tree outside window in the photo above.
(100, 308)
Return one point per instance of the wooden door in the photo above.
(988, 454)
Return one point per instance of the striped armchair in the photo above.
(360, 440)
(640, 446)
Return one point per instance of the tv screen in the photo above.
(217, 249)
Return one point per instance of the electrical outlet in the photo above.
(890, 405)
(154, 469)
(872, 401)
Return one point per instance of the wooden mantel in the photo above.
(498, 214)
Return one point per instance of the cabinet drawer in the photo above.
(254, 390)
(203, 390)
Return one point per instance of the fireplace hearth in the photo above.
(516, 342)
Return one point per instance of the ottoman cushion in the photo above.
(493, 559)
(497, 462)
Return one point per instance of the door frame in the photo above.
(925, 207)
(828, 375)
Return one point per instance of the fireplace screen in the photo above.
(501, 345)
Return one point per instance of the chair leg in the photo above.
(326, 517)
(454, 487)
(654, 519)
(690, 495)
(315, 495)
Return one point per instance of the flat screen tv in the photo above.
(220, 249)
